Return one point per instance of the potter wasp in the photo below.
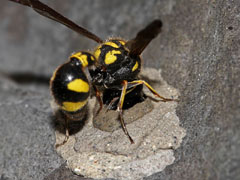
(113, 66)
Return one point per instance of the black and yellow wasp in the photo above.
(113, 66)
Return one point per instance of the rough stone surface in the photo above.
(198, 51)
(98, 154)
(27, 138)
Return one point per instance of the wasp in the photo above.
(113, 66)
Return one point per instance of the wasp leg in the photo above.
(119, 109)
(98, 95)
(109, 107)
(138, 82)
(66, 133)
(117, 99)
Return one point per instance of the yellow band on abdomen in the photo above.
(81, 57)
(73, 106)
(78, 85)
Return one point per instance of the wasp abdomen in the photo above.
(69, 84)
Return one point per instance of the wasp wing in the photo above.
(143, 38)
(48, 12)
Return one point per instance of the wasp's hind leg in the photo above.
(138, 82)
(66, 127)
(119, 109)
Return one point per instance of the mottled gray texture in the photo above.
(27, 138)
(198, 51)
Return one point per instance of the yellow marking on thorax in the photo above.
(92, 58)
(73, 106)
(82, 58)
(78, 85)
(112, 44)
(110, 56)
(135, 66)
(122, 42)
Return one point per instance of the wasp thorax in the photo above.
(111, 52)
(114, 64)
